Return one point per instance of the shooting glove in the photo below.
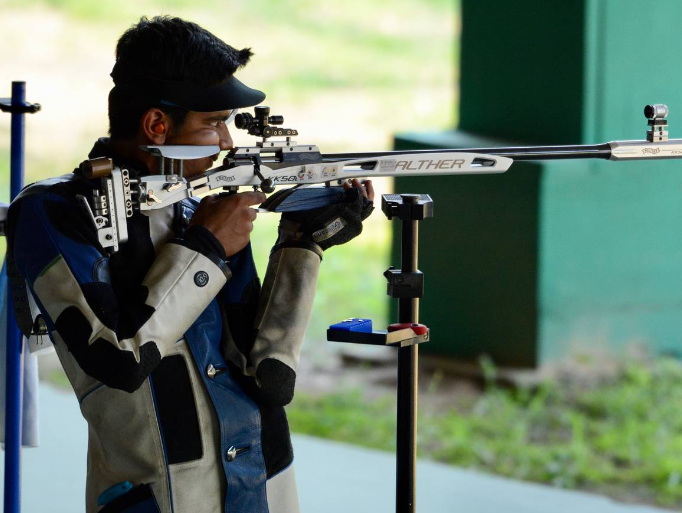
(330, 225)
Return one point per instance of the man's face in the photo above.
(202, 128)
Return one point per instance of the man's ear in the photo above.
(155, 125)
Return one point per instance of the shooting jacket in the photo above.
(161, 342)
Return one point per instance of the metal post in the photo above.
(14, 337)
(407, 285)
(408, 312)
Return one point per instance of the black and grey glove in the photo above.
(330, 225)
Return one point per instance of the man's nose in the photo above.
(226, 142)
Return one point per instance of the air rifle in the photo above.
(282, 161)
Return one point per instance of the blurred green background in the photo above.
(349, 76)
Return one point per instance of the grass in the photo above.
(58, 378)
(622, 437)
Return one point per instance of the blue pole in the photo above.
(14, 337)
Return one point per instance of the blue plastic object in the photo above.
(356, 325)
(114, 492)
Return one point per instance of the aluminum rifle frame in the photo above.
(285, 162)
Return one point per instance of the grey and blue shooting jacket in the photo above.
(161, 342)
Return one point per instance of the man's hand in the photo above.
(229, 218)
(333, 224)
(366, 187)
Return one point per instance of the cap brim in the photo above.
(230, 94)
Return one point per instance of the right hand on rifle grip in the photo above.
(229, 218)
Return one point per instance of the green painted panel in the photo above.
(522, 69)
(633, 57)
(611, 258)
(611, 247)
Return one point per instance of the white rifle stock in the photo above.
(284, 162)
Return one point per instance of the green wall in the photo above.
(557, 258)
(522, 64)
(611, 258)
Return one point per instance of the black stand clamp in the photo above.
(18, 107)
(407, 285)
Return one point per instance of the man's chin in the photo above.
(211, 161)
(197, 167)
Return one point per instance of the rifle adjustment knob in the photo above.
(96, 168)
(267, 186)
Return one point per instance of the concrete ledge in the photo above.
(335, 477)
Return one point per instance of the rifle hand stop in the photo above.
(359, 331)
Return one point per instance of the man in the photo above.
(181, 361)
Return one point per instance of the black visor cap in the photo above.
(226, 95)
(229, 94)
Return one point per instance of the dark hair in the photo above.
(165, 48)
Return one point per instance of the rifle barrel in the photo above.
(595, 151)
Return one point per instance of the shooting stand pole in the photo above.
(18, 107)
(406, 285)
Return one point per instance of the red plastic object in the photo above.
(419, 329)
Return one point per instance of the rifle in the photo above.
(271, 163)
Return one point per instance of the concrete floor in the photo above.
(332, 477)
